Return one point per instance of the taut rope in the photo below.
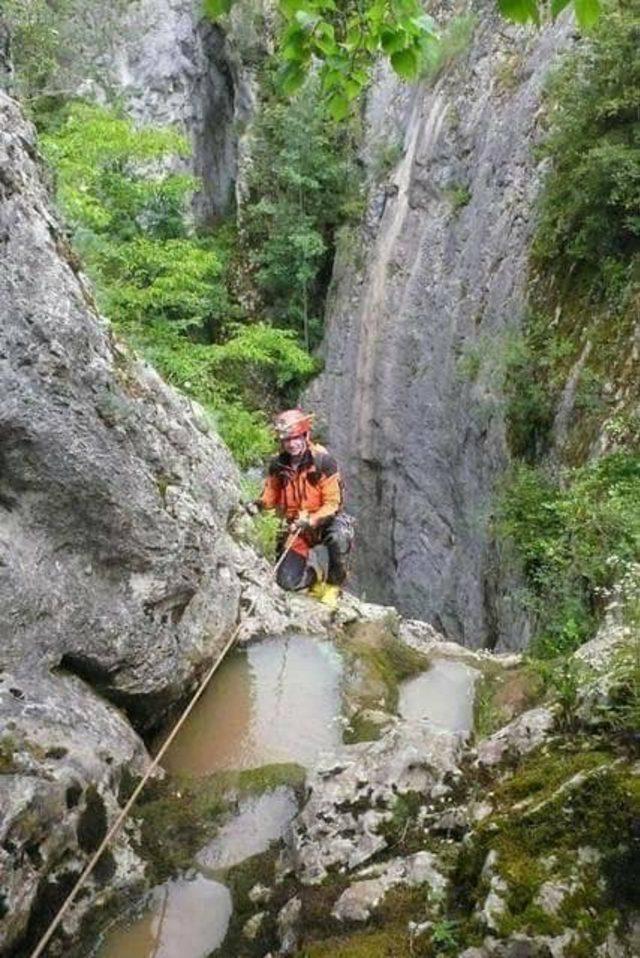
(117, 825)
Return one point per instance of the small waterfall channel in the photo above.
(279, 700)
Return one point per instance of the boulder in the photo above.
(362, 897)
(520, 736)
(351, 794)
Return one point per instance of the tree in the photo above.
(345, 38)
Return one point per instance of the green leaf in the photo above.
(331, 79)
(293, 44)
(216, 8)
(392, 40)
(405, 63)
(587, 12)
(520, 11)
(557, 6)
(338, 106)
(291, 7)
(292, 78)
(306, 20)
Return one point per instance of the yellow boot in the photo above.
(316, 591)
(331, 595)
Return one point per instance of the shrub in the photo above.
(591, 201)
(303, 186)
(565, 534)
(163, 286)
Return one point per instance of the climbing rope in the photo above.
(117, 825)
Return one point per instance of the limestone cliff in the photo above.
(118, 578)
(441, 275)
(169, 65)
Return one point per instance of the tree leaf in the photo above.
(520, 11)
(557, 6)
(216, 8)
(405, 63)
(587, 12)
(392, 40)
(306, 19)
(293, 44)
(292, 78)
(291, 7)
(338, 106)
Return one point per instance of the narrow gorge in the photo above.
(447, 763)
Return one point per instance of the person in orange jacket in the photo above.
(303, 485)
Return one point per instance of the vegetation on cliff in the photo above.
(573, 391)
(229, 317)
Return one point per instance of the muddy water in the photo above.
(277, 701)
(186, 919)
(444, 694)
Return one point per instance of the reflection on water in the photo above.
(186, 919)
(276, 701)
(443, 694)
(261, 820)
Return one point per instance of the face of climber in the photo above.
(295, 446)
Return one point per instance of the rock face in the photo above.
(114, 492)
(117, 573)
(351, 794)
(410, 390)
(170, 65)
(179, 68)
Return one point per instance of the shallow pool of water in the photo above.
(185, 919)
(275, 701)
(444, 694)
(261, 819)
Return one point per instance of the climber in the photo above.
(303, 485)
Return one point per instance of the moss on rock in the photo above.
(378, 661)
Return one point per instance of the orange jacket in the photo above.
(313, 487)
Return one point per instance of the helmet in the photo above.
(292, 423)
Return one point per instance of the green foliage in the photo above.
(565, 535)
(460, 197)
(342, 42)
(163, 286)
(55, 46)
(591, 202)
(444, 937)
(228, 377)
(563, 678)
(488, 715)
(303, 187)
(34, 42)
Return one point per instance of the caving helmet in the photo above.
(292, 423)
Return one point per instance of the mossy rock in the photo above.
(380, 661)
(554, 805)
(390, 942)
(179, 814)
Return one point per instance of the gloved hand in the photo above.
(301, 524)
(251, 508)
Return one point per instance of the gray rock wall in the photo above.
(414, 338)
(118, 580)
(176, 68)
(169, 65)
